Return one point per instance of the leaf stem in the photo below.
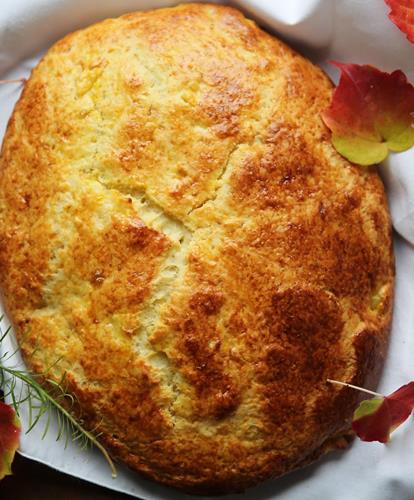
(39, 389)
(15, 80)
(372, 393)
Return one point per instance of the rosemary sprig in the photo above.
(41, 402)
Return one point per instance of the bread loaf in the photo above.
(179, 234)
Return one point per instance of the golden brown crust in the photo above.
(177, 228)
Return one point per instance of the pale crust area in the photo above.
(178, 230)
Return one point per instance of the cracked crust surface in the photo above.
(178, 230)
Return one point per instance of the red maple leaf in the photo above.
(371, 113)
(376, 418)
(9, 438)
(402, 15)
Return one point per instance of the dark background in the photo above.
(33, 481)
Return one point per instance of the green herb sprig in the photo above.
(42, 402)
